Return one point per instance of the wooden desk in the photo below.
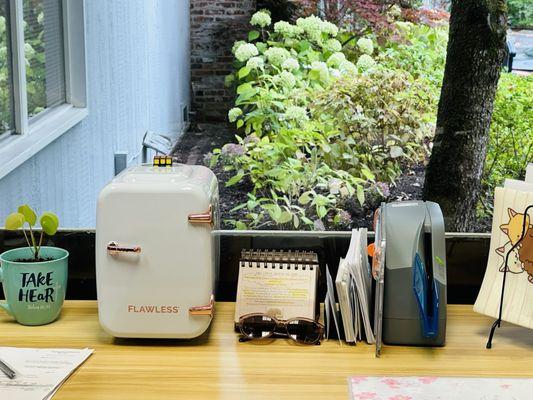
(217, 366)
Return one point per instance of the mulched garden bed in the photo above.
(195, 144)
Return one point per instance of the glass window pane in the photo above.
(6, 80)
(45, 72)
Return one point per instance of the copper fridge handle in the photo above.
(202, 218)
(114, 248)
(208, 309)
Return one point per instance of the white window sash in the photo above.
(31, 136)
(19, 66)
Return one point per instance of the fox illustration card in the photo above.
(507, 228)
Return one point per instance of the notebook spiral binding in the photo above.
(279, 258)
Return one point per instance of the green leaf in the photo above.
(369, 175)
(240, 226)
(244, 72)
(252, 35)
(49, 222)
(321, 211)
(14, 221)
(360, 194)
(235, 179)
(285, 217)
(304, 198)
(296, 221)
(240, 123)
(244, 87)
(29, 215)
(274, 211)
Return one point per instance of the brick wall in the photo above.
(215, 25)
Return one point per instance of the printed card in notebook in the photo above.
(508, 219)
(281, 284)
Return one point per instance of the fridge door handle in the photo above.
(208, 309)
(202, 218)
(115, 248)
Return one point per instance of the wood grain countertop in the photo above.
(217, 366)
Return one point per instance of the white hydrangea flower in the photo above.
(404, 26)
(335, 72)
(234, 113)
(261, 18)
(322, 68)
(287, 30)
(285, 79)
(277, 55)
(333, 45)
(29, 50)
(329, 28)
(335, 59)
(296, 113)
(312, 26)
(255, 63)
(246, 51)
(365, 45)
(365, 62)
(395, 11)
(290, 64)
(236, 45)
(347, 68)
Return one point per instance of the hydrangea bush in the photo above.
(314, 132)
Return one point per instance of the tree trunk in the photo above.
(476, 49)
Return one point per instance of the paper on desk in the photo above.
(330, 306)
(40, 372)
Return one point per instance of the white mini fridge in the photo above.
(156, 260)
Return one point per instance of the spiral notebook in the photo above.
(281, 284)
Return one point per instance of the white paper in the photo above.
(39, 372)
(330, 305)
(354, 278)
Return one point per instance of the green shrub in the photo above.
(520, 12)
(317, 127)
(510, 146)
(381, 117)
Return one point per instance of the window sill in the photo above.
(16, 149)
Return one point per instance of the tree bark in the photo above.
(476, 49)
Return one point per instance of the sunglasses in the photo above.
(262, 326)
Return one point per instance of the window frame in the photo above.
(33, 134)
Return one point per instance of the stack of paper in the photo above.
(39, 372)
(354, 287)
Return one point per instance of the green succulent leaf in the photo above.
(14, 221)
(29, 215)
(49, 222)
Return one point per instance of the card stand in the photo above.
(498, 321)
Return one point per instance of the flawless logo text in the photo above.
(150, 309)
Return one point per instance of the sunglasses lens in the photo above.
(304, 331)
(257, 326)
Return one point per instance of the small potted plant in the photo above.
(34, 278)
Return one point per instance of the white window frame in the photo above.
(33, 134)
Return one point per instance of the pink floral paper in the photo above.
(442, 388)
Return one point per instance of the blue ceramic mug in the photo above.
(34, 292)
